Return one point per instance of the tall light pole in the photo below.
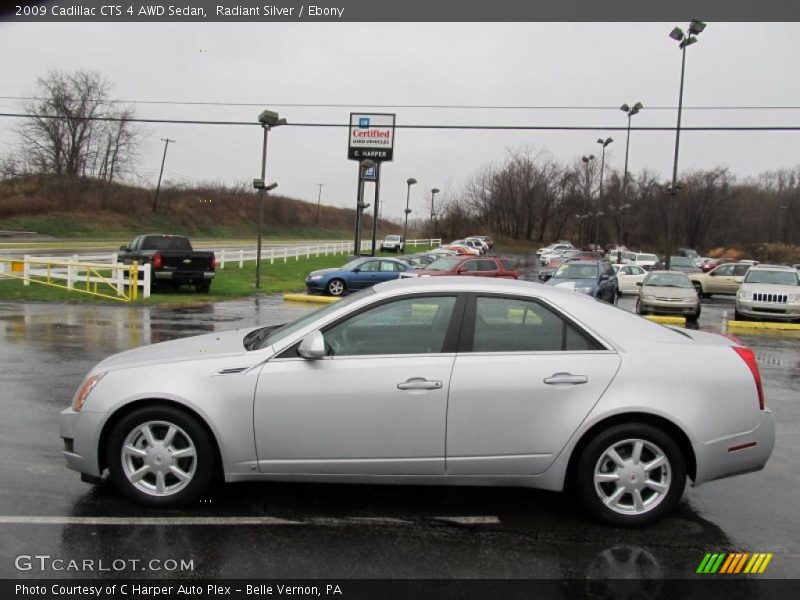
(409, 182)
(598, 214)
(268, 120)
(684, 40)
(587, 161)
(630, 111)
(319, 200)
(434, 191)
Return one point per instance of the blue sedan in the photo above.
(595, 278)
(356, 275)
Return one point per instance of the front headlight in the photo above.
(651, 298)
(690, 300)
(314, 277)
(794, 298)
(85, 390)
(745, 295)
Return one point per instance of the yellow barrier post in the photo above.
(133, 279)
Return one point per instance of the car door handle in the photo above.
(569, 378)
(419, 383)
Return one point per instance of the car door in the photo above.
(376, 405)
(524, 379)
(628, 276)
(366, 275)
(388, 270)
(487, 267)
(721, 281)
(468, 267)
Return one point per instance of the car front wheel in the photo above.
(335, 287)
(631, 474)
(639, 309)
(161, 456)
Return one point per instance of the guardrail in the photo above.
(103, 280)
(242, 255)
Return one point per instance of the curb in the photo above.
(666, 319)
(310, 298)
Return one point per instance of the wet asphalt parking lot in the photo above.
(340, 531)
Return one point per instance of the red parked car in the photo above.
(487, 266)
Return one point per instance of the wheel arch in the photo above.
(128, 408)
(669, 427)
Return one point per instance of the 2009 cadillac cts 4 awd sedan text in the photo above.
(442, 380)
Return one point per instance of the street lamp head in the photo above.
(638, 106)
(624, 108)
(608, 141)
(688, 41)
(258, 184)
(269, 118)
(411, 181)
(696, 27)
(435, 191)
(270, 187)
(677, 34)
(599, 140)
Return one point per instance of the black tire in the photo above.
(205, 466)
(698, 288)
(695, 316)
(653, 437)
(202, 286)
(336, 287)
(740, 317)
(639, 310)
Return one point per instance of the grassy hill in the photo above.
(69, 208)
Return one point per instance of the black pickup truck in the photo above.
(172, 259)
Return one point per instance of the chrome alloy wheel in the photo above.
(336, 288)
(158, 458)
(632, 476)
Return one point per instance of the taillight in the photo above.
(749, 357)
(213, 261)
(157, 260)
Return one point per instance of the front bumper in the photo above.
(316, 285)
(719, 458)
(81, 434)
(668, 308)
(768, 310)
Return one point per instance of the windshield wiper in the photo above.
(253, 340)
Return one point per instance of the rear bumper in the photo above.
(720, 458)
(183, 275)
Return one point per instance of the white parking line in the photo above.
(167, 521)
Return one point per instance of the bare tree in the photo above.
(63, 136)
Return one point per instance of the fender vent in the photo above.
(232, 371)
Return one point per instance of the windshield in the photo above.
(681, 261)
(444, 264)
(257, 339)
(774, 277)
(392, 238)
(352, 264)
(652, 257)
(668, 280)
(576, 271)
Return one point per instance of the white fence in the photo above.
(109, 280)
(239, 256)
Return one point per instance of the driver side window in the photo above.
(371, 266)
(408, 326)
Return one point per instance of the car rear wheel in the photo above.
(161, 456)
(335, 287)
(202, 286)
(631, 474)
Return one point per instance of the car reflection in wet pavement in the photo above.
(325, 530)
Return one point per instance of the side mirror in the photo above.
(640, 283)
(123, 248)
(313, 346)
(357, 270)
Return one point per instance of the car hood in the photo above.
(323, 271)
(571, 284)
(771, 288)
(669, 292)
(190, 348)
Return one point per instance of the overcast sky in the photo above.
(363, 64)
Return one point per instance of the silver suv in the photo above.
(769, 292)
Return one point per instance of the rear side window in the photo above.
(740, 270)
(506, 264)
(154, 242)
(487, 265)
(516, 325)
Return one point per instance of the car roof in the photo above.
(763, 267)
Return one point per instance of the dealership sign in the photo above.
(371, 137)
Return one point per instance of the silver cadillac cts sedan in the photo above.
(445, 380)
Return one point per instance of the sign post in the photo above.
(371, 142)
